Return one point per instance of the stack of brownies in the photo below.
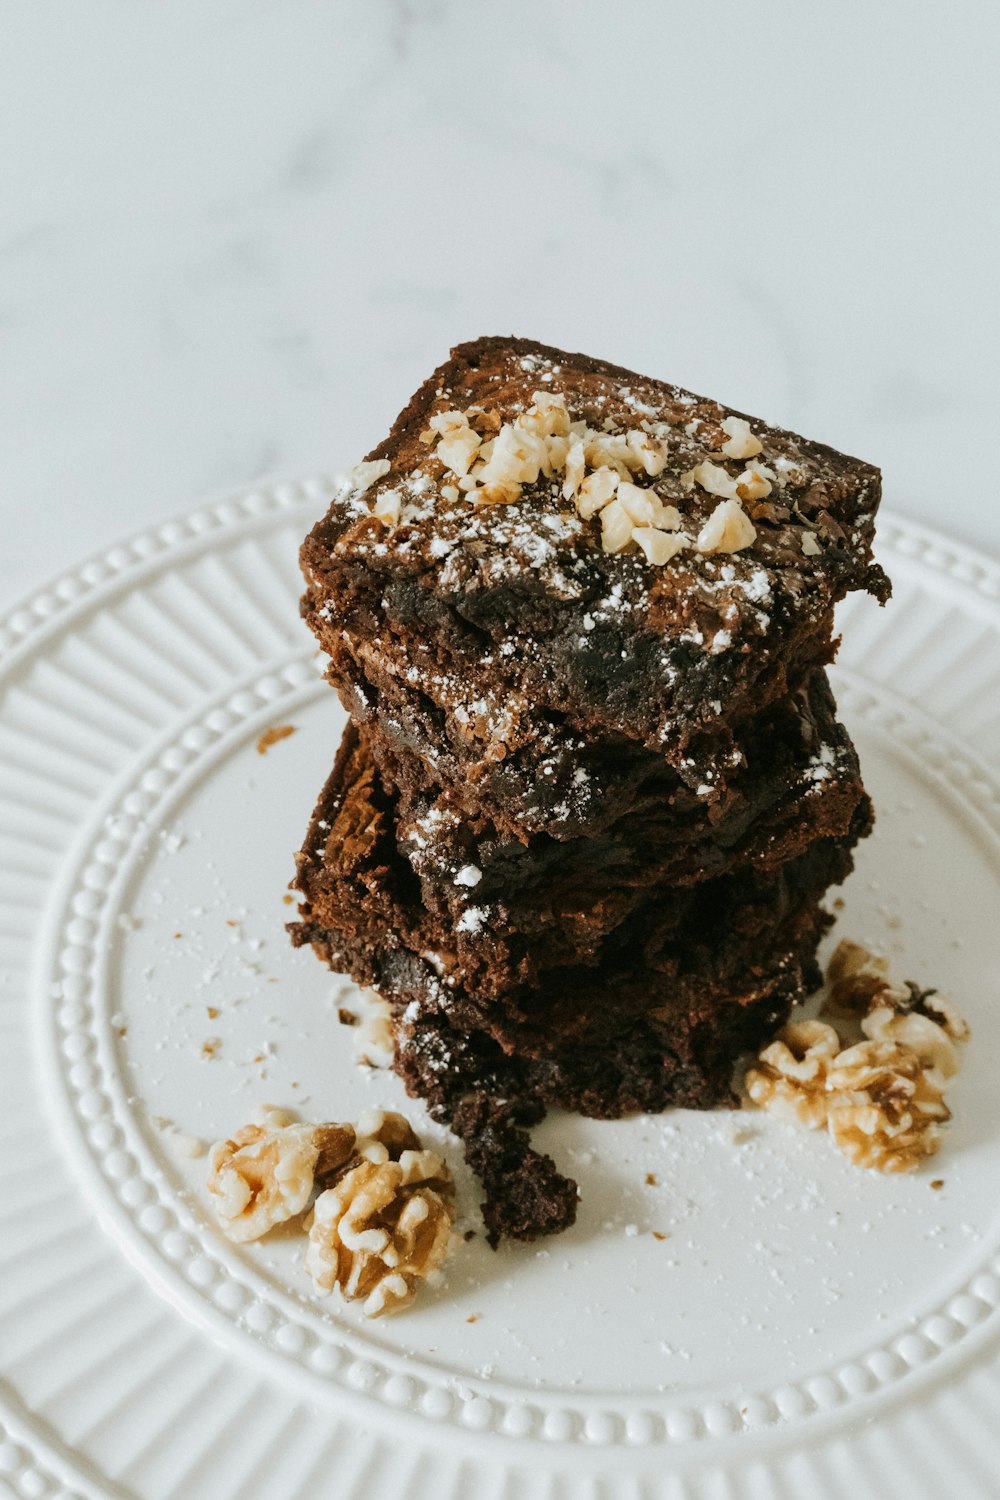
(594, 788)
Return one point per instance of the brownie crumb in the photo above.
(526, 1196)
(273, 736)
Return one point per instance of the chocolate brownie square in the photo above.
(545, 535)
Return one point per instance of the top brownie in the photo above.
(549, 531)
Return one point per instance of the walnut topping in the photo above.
(386, 1224)
(363, 476)
(648, 450)
(596, 491)
(387, 507)
(645, 508)
(810, 546)
(598, 469)
(446, 424)
(659, 546)
(754, 483)
(886, 1110)
(728, 528)
(458, 451)
(790, 1075)
(714, 479)
(742, 443)
(264, 1174)
(788, 472)
(496, 493)
(882, 1098)
(575, 467)
(616, 527)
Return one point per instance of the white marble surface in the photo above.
(234, 234)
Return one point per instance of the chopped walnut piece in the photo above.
(928, 1041)
(616, 527)
(448, 424)
(754, 483)
(264, 1174)
(790, 1076)
(386, 1223)
(547, 415)
(373, 1038)
(645, 508)
(788, 472)
(517, 457)
(596, 491)
(557, 449)
(364, 475)
(885, 1109)
(659, 546)
(943, 1011)
(741, 441)
(810, 546)
(611, 449)
(715, 479)
(728, 529)
(458, 450)
(496, 493)
(387, 507)
(575, 468)
(855, 976)
(649, 451)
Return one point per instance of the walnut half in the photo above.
(386, 1223)
(789, 1077)
(265, 1173)
(886, 1109)
(881, 1099)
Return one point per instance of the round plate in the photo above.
(737, 1310)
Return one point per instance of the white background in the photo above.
(235, 234)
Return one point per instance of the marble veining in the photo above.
(234, 237)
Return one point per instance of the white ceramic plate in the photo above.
(803, 1329)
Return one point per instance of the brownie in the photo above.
(799, 779)
(499, 613)
(558, 781)
(524, 916)
(730, 942)
(594, 789)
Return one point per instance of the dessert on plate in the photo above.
(594, 790)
